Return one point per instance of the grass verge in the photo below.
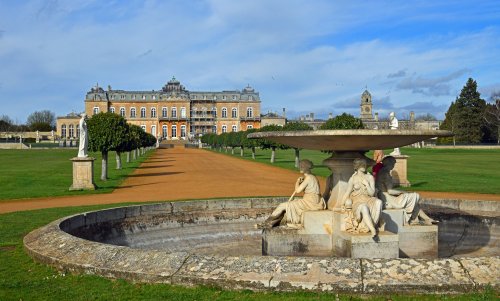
(48, 172)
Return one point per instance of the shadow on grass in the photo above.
(418, 184)
(156, 174)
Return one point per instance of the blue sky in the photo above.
(305, 56)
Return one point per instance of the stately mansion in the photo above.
(172, 112)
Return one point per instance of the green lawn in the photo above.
(48, 172)
(22, 279)
(452, 170)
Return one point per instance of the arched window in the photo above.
(71, 131)
(63, 131)
(174, 131)
(224, 113)
(77, 131)
(164, 111)
(214, 112)
(174, 113)
(249, 112)
(96, 110)
(234, 128)
(164, 131)
(183, 112)
(153, 130)
(234, 113)
(143, 112)
(250, 97)
(132, 113)
(153, 112)
(224, 128)
(122, 111)
(112, 110)
(143, 127)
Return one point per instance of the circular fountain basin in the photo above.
(214, 242)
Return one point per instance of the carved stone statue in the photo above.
(395, 199)
(84, 139)
(360, 200)
(291, 212)
(394, 125)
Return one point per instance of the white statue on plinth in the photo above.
(291, 212)
(395, 199)
(394, 125)
(84, 139)
(359, 199)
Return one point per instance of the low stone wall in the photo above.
(53, 246)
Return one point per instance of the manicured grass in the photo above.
(451, 170)
(48, 172)
(22, 279)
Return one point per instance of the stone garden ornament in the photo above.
(291, 212)
(84, 139)
(394, 125)
(363, 206)
(395, 199)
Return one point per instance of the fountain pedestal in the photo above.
(324, 234)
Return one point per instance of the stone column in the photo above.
(341, 165)
(83, 174)
(400, 172)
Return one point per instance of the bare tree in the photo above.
(492, 113)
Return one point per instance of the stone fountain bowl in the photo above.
(350, 140)
(213, 242)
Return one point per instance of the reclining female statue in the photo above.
(360, 196)
(291, 212)
(396, 199)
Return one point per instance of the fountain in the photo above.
(214, 242)
(328, 232)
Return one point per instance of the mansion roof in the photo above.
(172, 90)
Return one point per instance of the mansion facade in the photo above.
(173, 113)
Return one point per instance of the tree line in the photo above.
(111, 132)
(232, 140)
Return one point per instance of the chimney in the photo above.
(330, 116)
(284, 113)
(376, 116)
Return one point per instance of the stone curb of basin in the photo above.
(53, 246)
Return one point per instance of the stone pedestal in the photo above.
(341, 165)
(414, 241)
(400, 172)
(362, 245)
(324, 234)
(83, 174)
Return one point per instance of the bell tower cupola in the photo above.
(366, 106)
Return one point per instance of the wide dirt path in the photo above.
(179, 173)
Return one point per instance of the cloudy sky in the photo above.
(305, 56)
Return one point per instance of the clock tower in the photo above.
(366, 106)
